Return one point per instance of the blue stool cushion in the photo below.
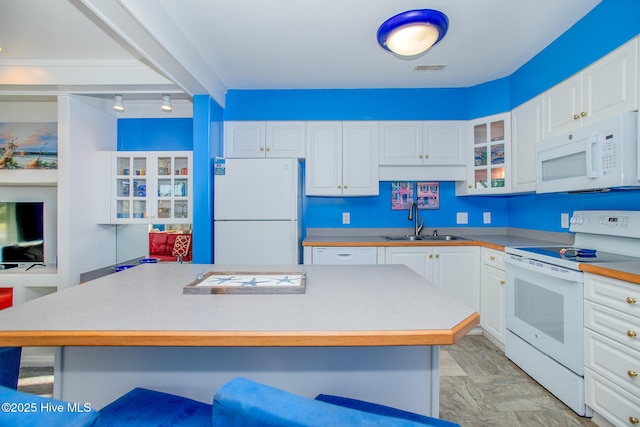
(10, 366)
(242, 402)
(374, 408)
(27, 410)
(142, 407)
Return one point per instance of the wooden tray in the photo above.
(239, 282)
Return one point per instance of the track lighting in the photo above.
(118, 104)
(166, 104)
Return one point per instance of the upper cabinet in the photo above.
(607, 87)
(418, 143)
(488, 156)
(526, 131)
(342, 159)
(272, 139)
(148, 187)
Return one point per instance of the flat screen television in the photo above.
(21, 233)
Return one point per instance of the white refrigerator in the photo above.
(257, 211)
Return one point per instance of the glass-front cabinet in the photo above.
(151, 187)
(489, 147)
(173, 182)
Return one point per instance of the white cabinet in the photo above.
(148, 187)
(344, 255)
(272, 139)
(604, 89)
(342, 159)
(443, 142)
(417, 143)
(612, 348)
(455, 269)
(526, 131)
(492, 295)
(488, 156)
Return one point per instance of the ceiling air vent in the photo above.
(429, 67)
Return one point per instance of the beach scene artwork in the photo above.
(28, 145)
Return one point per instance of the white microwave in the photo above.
(599, 156)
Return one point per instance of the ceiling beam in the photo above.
(150, 31)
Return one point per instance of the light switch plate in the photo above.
(462, 218)
(486, 217)
(564, 220)
(346, 217)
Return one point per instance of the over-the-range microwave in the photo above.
(599, 156)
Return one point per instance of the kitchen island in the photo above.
(367, 332)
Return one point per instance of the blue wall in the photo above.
(375, 211)
(155, 134)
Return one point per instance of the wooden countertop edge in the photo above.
(238, 338)
(614, 274)
(406, 243)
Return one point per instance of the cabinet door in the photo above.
(244, 139)
(419, 259)
(323, 175)
(131, 188)
(562, 106)
(173, 186)
(360, 159)
(610, 84)
(401, 143)
(526, 122)
(285, 139)
(457, 272)
(488, 156)
(444, 142)
(492, 302)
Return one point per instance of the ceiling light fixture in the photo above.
(413, 32)
(118, 104)
(166, 104)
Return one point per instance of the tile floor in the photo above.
(487, 389)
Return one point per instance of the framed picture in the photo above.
(28, 145)
(401, 195)
(428, 195)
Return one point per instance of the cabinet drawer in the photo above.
(610, 401)
(611, 323)
(493, 258)
(613, 293)
(618, 363)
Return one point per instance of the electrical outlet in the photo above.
(462, 218)
(346, 217)
(486, 217)
(564, 220)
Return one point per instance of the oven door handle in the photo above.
(545, 268)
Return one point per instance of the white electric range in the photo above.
(544, 299)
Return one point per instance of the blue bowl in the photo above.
(124, 267)
(148, 260)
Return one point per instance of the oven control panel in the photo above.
(609, 223)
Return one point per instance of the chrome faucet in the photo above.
(417, 229)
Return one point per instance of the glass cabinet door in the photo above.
(490, 141)
(131, 187)
(173, 187)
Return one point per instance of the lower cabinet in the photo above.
(492, 301)
(454, 269)
(612, 348)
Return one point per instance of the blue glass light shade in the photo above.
(413, 32)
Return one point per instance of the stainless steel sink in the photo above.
(410, 237)
(443, 237)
